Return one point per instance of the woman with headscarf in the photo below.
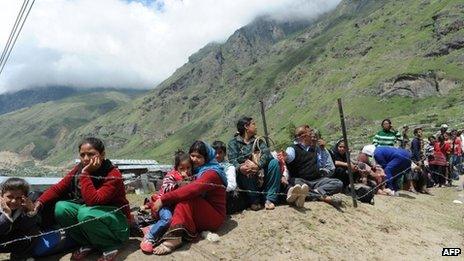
(200, 205)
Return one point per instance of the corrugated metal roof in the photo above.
(129, 162)
(37, 180)
(148, 167)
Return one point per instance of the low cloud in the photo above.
(121, 43)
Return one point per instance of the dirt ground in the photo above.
(410, 227)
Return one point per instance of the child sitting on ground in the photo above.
(17, 218)
(182, 170)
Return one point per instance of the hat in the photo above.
(369, 150)
(444, 126)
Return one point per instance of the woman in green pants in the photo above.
(92, 194)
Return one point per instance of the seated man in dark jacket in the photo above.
(307, 175)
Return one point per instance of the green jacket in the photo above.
(386, 138)
(238, 152)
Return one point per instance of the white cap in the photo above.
(444, 126)
(369, 150)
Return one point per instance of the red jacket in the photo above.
(439, 154)
(457, 146)
(209, 186)
(111, 192)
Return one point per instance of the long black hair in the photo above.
(200, 147)
(242, 123)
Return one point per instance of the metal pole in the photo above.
(263, 115)
(345, 140)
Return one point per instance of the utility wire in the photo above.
(13, 30)
(16, 37)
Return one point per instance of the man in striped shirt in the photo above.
(387, 136)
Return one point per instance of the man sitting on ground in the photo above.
(307, 173)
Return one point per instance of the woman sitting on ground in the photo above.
(200, 205)
(338, 153)
(93, 189)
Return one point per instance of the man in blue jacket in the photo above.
(394, 161)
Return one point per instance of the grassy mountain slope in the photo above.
(12, 101)
(37, 130)
(397, 59)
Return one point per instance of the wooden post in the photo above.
(345, 140)
(266, 133)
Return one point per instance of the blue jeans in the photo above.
(157, 229)
(394, 167)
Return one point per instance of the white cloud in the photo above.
(116, 43)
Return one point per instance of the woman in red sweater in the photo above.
(200, 205)
(438, 164)
(93, 189)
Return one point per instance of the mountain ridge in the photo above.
(373, 54)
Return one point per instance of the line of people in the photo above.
(204, 187)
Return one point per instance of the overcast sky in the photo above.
(123, 43)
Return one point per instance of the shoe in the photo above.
(109, 255)
(81, 253)
(293, 193)
(146, 245)
(302, 196)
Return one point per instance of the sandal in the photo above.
(109, 255)
(269, 205)
(147, 245)
(81, 253)
(164, 249)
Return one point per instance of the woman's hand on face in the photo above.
(157, 205)
(93, 165)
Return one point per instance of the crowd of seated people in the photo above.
(210, 181)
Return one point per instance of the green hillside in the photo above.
(37, 130)
(397, 59)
